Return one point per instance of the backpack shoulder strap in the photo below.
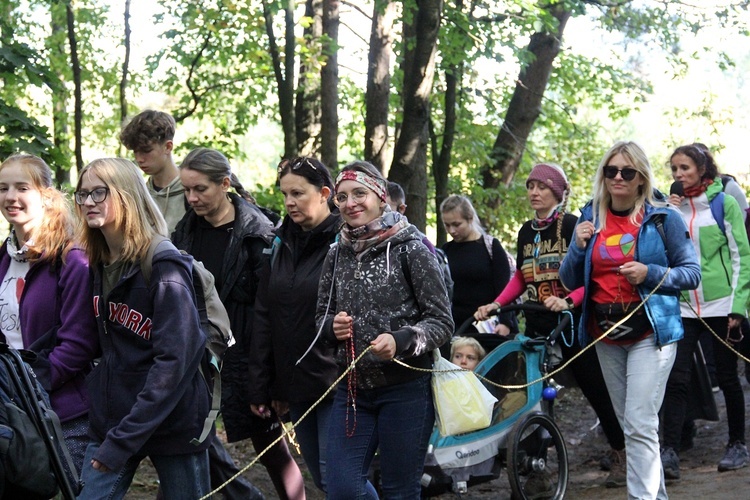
(488, 243)
(659, 223)
(273, 250)
(717, 210)
(147, 262)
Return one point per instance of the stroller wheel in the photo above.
(537, 458)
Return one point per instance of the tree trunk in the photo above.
(329, 83)
(525, 106)
(125, 66)
(284, 76)
(307, 111)
(60, 65)
(443, 161)
(76, 67)
(379, 83)
(409, 166)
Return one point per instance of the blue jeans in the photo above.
(180, 476)
(312, 435)
(636, 377)
(398, 419)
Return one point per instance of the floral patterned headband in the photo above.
(367, 180)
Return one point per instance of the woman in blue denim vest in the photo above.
(628, 242)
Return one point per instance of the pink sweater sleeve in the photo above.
(577, 296)
(512, 290)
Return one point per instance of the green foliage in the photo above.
(217, 66)
(20, 67)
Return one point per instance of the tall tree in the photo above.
(77, 94)
(125, 65)
(283, 70)
(378, 92)
(329, 83)
(525, 104)
(409, 167)
(60, 65)
(307, 106)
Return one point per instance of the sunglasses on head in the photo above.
(296, 164)
(627, 173)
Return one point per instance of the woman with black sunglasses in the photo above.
(284, 323)
(628, 242)
(717, 230)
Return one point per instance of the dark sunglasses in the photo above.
(295, 164)
(627, 174)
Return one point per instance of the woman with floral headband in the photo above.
(381, 288)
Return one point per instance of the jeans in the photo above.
(397, 419)
(636, 376)
(675, 400)
(312, 435)
(180, 476)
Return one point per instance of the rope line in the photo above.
(286, 431)
(290, 430)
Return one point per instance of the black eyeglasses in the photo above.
(98, 195)
(627, 174)
(295, 164)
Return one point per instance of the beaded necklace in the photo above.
(351, 384)
(540, 225)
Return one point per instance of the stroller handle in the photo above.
(526, 307)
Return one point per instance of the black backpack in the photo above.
(34, 461)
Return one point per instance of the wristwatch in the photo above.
(570, 303)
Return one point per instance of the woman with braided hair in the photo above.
(542, 243)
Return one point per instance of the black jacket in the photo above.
(285, 319)
(243, 260)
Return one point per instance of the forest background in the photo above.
(444, 96)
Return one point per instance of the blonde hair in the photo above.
(465, 209)
(53, 236)
(459, 342)
(636, 156)
(136, 215)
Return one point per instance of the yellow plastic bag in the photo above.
(462, 403)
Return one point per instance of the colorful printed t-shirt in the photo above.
(11, 289)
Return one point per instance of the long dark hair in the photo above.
(702, 158)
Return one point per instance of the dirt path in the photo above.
(700, 480)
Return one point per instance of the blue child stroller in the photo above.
(522, 435)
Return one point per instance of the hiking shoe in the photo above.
(736, 457)
(617, 477)
(670, 462)
(538, 486)
(605, 463)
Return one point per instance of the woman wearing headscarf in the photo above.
(381, 288)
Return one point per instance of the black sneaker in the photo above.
(736, 457)
(670, 462)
